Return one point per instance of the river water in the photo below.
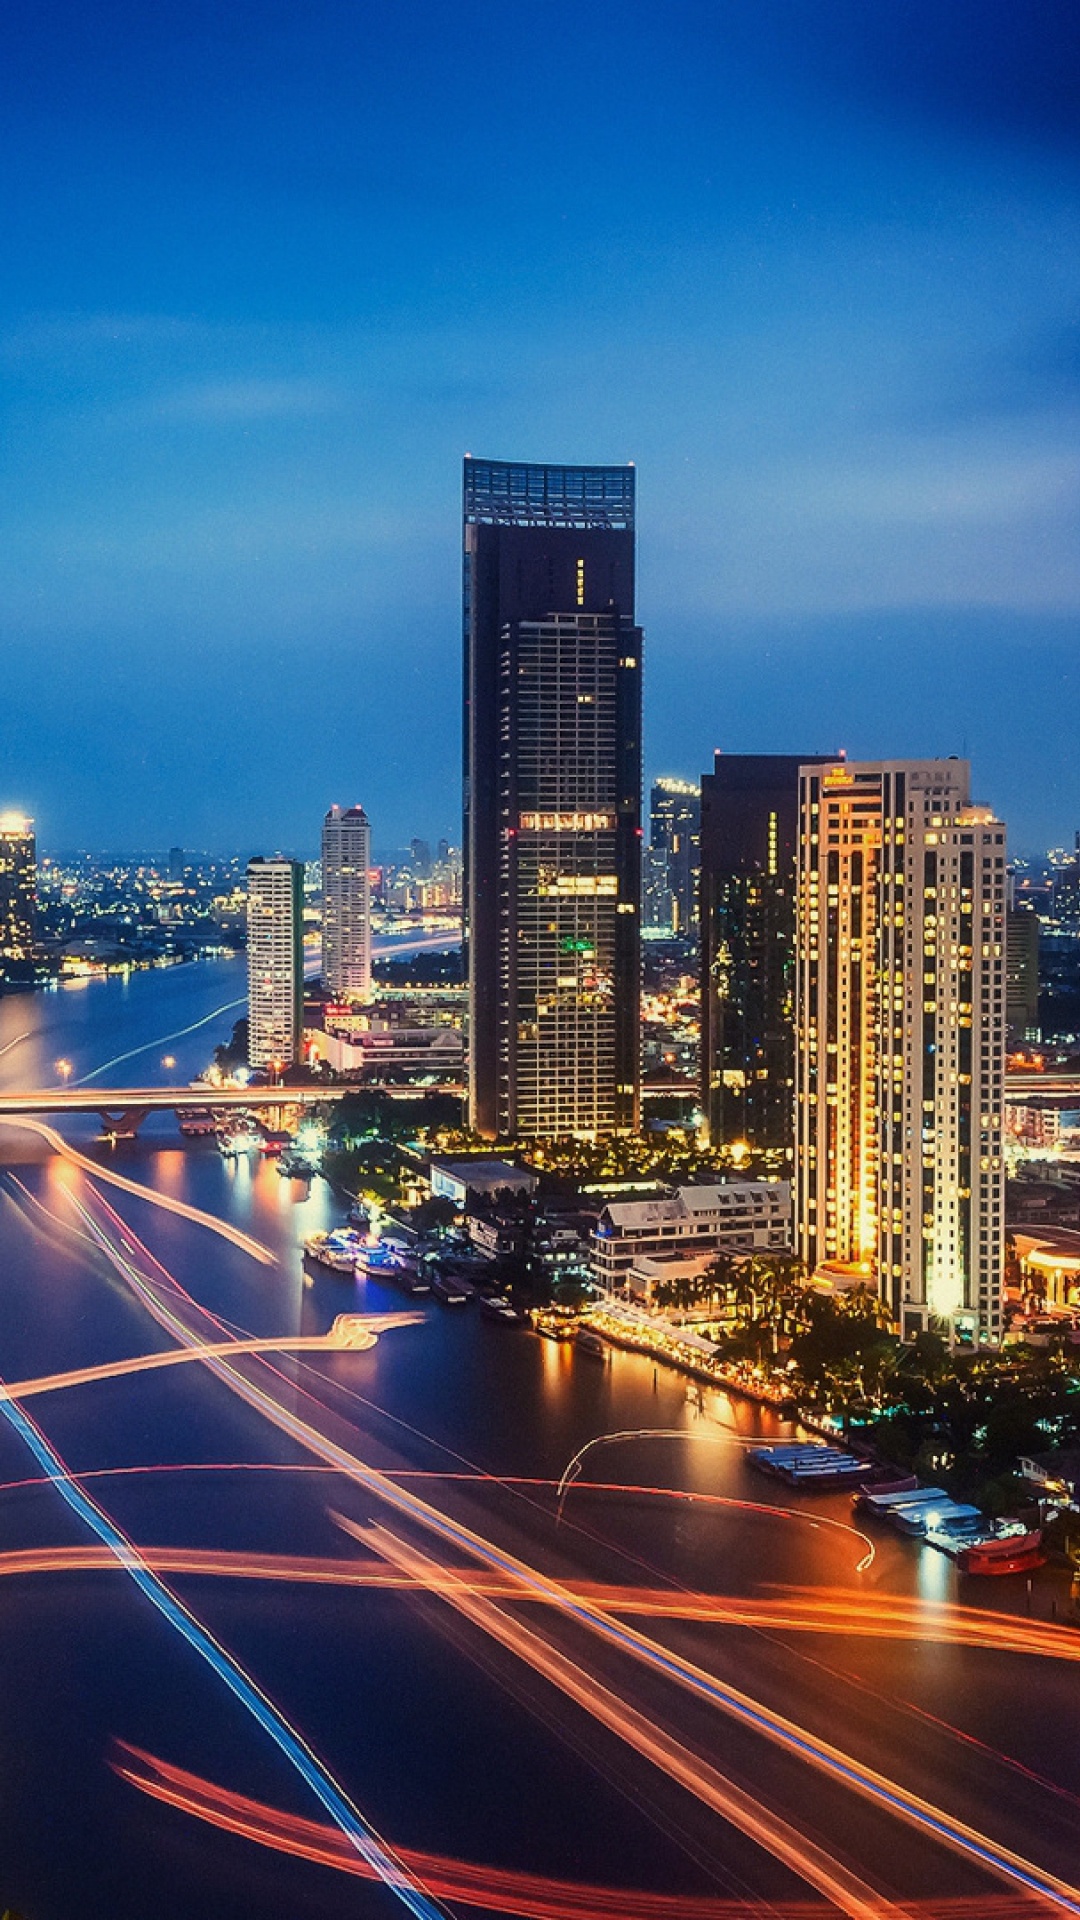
(445, 1739)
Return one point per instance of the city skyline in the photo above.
(835, 332)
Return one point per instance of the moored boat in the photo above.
(1009, 1553)
(587, 1340)
(337, 1250)
(451, 1291)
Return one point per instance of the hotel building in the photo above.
(552, 799)
(900, 1039)
(346, 909)
(275, 956)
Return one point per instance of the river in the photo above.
(452, 1739)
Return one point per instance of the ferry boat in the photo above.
(494, 1307)
(809, 1463)
(337, 1250)
(1007, 1553)
(451, 1291)
(374, 1259)
(293, 1166)
(587, 1340)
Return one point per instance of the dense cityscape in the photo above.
(781, 1095)
(540, 962)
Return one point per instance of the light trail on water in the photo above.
(829, 1760)
(360, 1338)
(360, 1834)
(806, 1611)
(151, 1046)
(572, 1470)
(181, 1208)
(519, 1896)
(1024, 1877)
(19, 1038)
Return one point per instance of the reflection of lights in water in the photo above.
(67, 1152)
(934, 1574)
(175, 1309)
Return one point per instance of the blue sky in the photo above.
(271, 271)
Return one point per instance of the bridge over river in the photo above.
(123, 1109)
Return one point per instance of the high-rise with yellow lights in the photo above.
(18, 885)
(900, 1039)
(552, 790)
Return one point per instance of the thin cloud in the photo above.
(247, 399)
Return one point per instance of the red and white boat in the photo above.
(1009, 1553)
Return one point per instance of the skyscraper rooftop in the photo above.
(510, 493)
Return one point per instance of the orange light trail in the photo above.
(363, 1336)
(540, 1656)
(847, 1891)
(245, 1241)
(520, 1896)
(853, 1896)
(800, 1611)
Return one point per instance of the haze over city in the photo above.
(268, 277)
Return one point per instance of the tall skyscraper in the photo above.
(901, 1038)
(675, 834)
(1022, 931)
(552, 796)
(18, 885)
(346, 893)
(275, 956)
(749, 835)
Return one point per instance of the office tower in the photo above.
(675, 834)
(900, 1025)
(656, 903)
(275, 953)
(176, 864)
(1022, 928)
(552, 799)
(749, 835)
(346, 892)
(18, 883)
(420, 858)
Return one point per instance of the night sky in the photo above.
(269, 271)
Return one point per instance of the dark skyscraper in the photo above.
(552, 763)
(749, 829)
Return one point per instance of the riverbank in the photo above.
(683, 1350)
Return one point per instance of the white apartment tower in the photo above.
(346, 936)
(900, 1038)
(275, 954)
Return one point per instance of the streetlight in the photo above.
(169, 1062)
(64, 1069)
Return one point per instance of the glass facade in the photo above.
(552, 763)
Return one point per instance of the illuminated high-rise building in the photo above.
(675, 835)
(18, 885)
(275, 957)
(900, 1024)
(749, 832)
(346, 903)
(552, 793)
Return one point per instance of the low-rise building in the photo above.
(411, 1051)
(456, 1179)
(1049, 1263)
(740, 1216)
